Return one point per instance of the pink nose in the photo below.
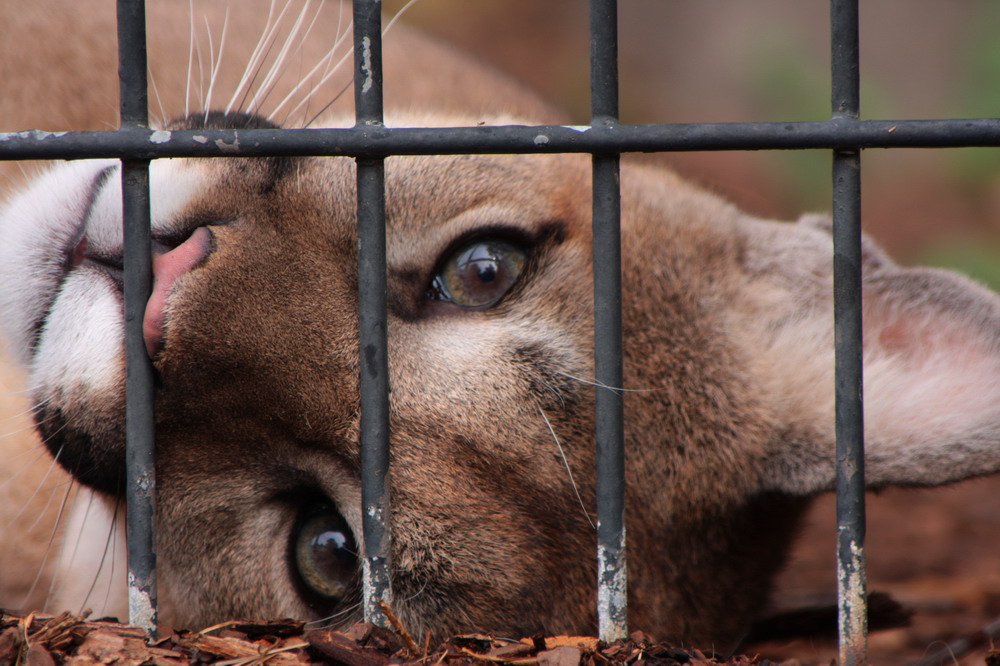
(167, 268)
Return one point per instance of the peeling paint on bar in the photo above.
(609, 431)
(159, 136)
(30, 135)
(381, 593)
(372, 311)
(141, 608)
(378, 141)
(845, 98)
(852, 598)
(612, 593)
(366, 64)
(230, 148)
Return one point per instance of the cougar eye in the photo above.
(324, 554)
(479, 274)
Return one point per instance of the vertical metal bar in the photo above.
(374, 380)
(139, 424)
(852, 601)
(612, 585)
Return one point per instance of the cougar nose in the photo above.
(167, 268)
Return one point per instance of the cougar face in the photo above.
(252, 329)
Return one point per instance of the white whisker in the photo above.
(109, 547)
(39, 452)
(41, 513)
(30, 411)
(104, 555)
(593, 382)
(344, 611)
(187, 85)
(323, 62)
(216, 64)
(162, 119)
(332, 101)
(277, 65)
(49, 548)
(337, 69)
(569, 471)
(398, 14)
(252, 66)
(265, 44)
(341, 35)
(38, 488)
(201, 74)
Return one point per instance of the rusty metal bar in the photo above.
(839, 133)
(372, 315)
(847, 288)
(140, 477)
(612, 580)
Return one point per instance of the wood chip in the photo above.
(565, 655)
(339, 649)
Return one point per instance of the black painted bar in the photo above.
(847, 288)
(840, 133)
(140, 485)
(374, 379)
(612, 580)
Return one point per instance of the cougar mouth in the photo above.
(76, 253)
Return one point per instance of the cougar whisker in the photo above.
(569, 471)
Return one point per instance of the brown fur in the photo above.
(728, 367)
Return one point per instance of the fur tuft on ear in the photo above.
(931, 356)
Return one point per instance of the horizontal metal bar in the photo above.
(372, 141)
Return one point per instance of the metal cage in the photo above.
(369, 142)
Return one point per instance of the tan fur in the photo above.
(728, 368)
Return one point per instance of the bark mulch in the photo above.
(70, 640)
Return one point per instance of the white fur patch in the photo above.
(79, 347)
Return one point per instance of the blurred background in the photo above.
(768, 60)
(938, 551)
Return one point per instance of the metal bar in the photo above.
(374, 380)
(612, 580)
(140, 478)
(847, 288)
(377, 141)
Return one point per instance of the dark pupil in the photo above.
(486, 270)
(480, 262)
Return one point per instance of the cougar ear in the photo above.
(931, 367)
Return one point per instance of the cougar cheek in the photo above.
(167, 268)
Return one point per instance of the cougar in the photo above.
(252, 329)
